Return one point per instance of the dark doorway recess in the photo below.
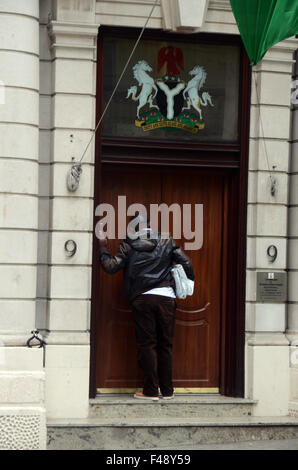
(211, 173)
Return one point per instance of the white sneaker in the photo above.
(170, 397)
(141, 396)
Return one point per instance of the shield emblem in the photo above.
(163, 102)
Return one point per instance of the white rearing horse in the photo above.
(192, 89)
(145, 96)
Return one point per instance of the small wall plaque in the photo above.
(271, 287)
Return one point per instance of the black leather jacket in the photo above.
(147, 263)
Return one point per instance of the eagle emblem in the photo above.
(173, 58)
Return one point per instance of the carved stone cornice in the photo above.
(73, 39)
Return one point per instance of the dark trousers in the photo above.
(154, 317)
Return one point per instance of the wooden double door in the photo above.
(197, 344)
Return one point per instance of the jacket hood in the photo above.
(144, 240)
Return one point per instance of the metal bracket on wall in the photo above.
(273, 186)
(35, 336)
(73, 177)
(42, 344)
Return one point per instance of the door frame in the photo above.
(232, 161)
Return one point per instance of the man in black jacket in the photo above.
(147, 260)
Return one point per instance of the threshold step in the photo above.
(181, 406)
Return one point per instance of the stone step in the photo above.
(187, 406)
(163, 433)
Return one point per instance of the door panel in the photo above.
(197, 344)
(197, 332)
(116, 363)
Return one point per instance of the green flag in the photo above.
(263, 23)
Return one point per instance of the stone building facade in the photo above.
(48, 52)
